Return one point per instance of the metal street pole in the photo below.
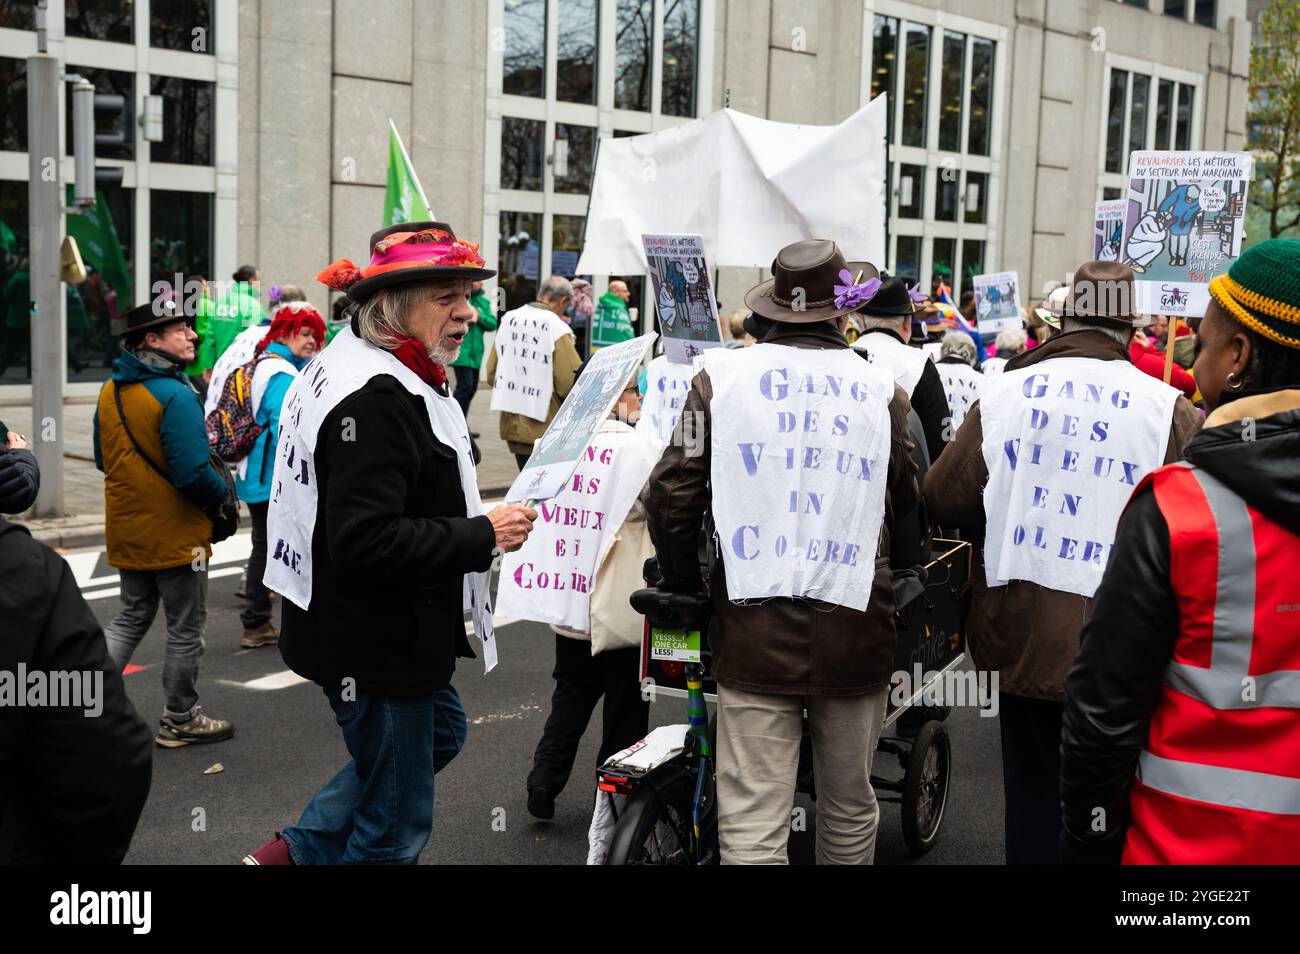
(45, 218)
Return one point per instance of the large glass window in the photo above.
(981, 96)
(977, 192)
(181, 25)
(1203, 13)
(1176, 8)
(519, 256)
(951, 77)
(911, 192)
(18, 14)
(1164, 111)
(907, 258)
(13, 104)
(916, 69)
(108, 81)
(580, 143)
(566, 244)
(883, 60)
(1183, 127)
(681, 37)
(634, 52)
(945, 194)
(575, 70)
(1137, 114)
(187, 121)
(1115, 121)
(110, 20)
(521, 153)
(182, 234)
(524, 72)
(972, 264)
(96, 306)
(945, 254)
(15, 285)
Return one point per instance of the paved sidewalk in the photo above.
(83, 524)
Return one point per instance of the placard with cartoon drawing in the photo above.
(688, 314)
(1108, 230)
(1183, 225)
(997, 301)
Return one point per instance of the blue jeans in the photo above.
(379, 808)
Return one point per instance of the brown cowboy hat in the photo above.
(1101, 293)
(802, 289)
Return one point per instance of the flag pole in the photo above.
(1170, 337)
(410, 165)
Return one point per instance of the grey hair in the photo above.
(555, 287)
(382, 318)
(893, 324)
(1012, 340)
(1122, 335)
(958, 344)
(291, 293)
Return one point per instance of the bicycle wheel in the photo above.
(655, 827)
(925, 787)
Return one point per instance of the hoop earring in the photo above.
(1235, 385)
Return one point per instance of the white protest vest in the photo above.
(263, 372)
(1066, 441)
(338, 371)
(525, 345)
(239, 352)
(550, 578)
(666, 387)
(904, 363)
(961, 386)
(800, 459)
(993, 366)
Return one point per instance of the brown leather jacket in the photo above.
(1027, 632)
(780, 646)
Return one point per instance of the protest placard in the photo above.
(1108, 230)
(1183, 225)
(997, 301)
(688, 314)
(560, 449)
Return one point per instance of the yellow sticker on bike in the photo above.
(676, 645)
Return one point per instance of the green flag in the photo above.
(404, 200)
(100, 249)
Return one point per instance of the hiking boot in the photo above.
(197, 731)
(274, 852)
(264, 635)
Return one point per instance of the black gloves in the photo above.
(20, 478)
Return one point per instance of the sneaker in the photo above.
(541, 804)
(197, 731)
(274, 852)
(264, 635)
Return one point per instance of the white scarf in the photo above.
(525, 345)
(343, 368)
(1065, 441)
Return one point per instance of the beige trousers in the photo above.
(758, 758)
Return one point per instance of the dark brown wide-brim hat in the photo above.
(407, 252)
(802, 287)
(153, 316)
(1101, 293)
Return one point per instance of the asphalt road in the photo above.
(287, 746)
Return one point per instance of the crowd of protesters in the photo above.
(1130, 708)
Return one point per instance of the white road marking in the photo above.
(116, 590)
(276, 680)
(521, 712)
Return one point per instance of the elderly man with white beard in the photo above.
(377, 540)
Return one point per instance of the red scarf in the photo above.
(412, 354)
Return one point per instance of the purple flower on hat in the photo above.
(273, 296)
(850, 295)
(914, 292)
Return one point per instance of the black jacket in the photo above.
(20, 478)
(929, 402)
(71, 786)
(1127, 642)
(389, 551)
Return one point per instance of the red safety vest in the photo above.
(1219, 779)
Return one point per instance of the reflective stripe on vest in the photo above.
(1213, 539)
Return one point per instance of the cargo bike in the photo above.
(669, 815)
